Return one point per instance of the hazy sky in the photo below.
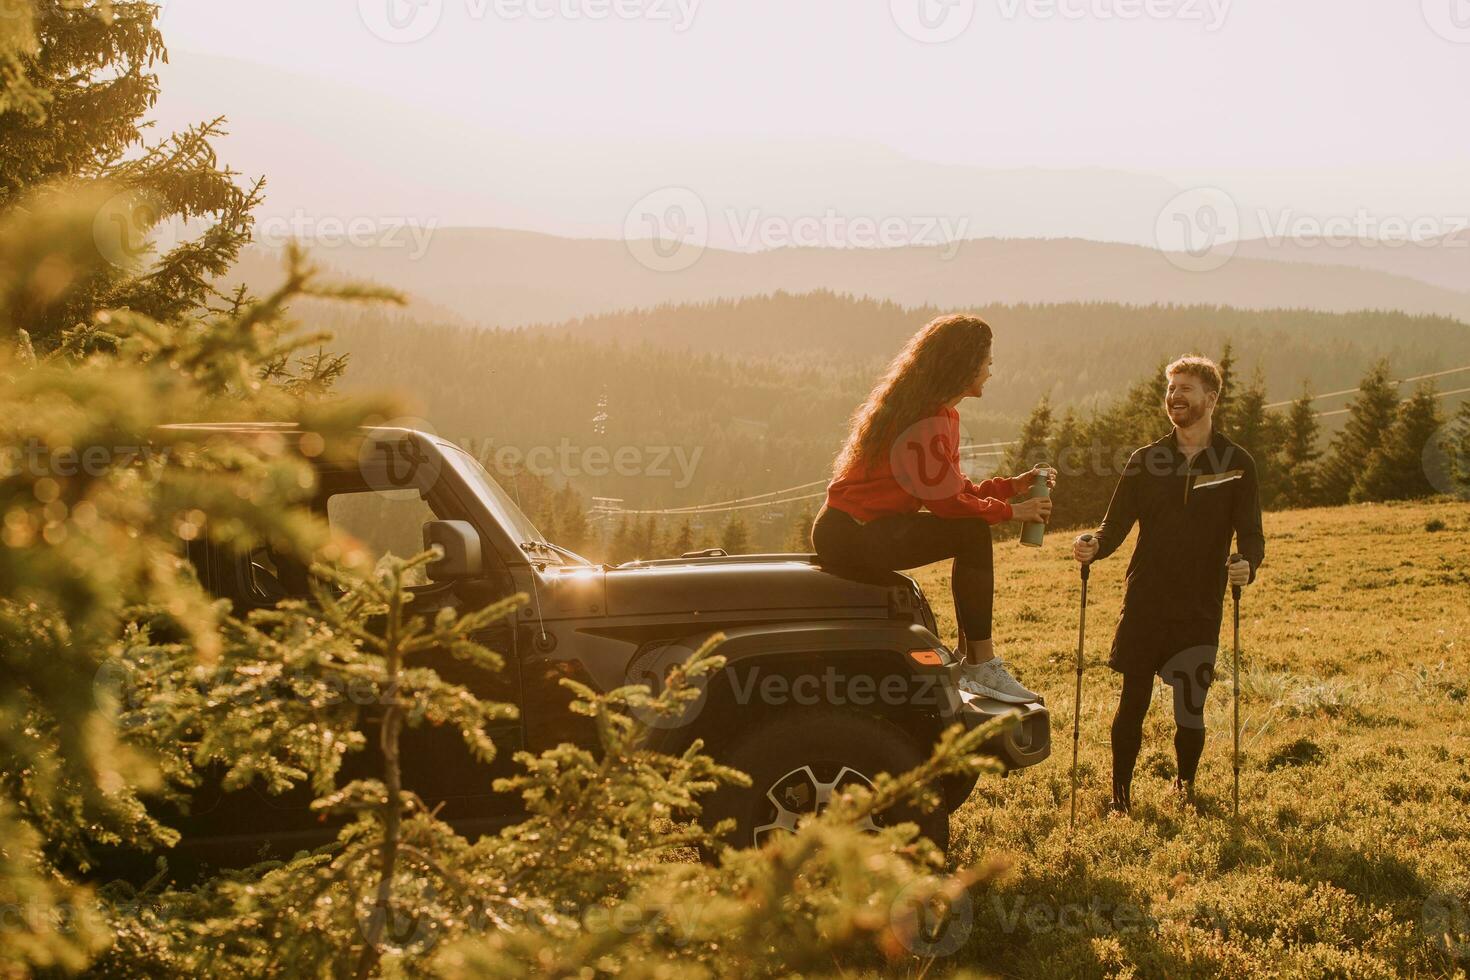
(1154, 85)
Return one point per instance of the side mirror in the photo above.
(461, 545)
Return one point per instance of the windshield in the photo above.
(510, 517)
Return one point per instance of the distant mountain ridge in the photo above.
(1443, 261)
(339, 156)
(497, 277)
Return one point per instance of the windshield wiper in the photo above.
(555, 549)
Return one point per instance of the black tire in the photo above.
(789, 751)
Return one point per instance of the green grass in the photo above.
(1351, 856)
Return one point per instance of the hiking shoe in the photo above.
(992, 680)
(1122, 803)
(1184, 793)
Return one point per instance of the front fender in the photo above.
(861, 664)
(833, 637)
(841, 663)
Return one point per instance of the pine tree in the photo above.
(571, 519)
(799, 535)
(683, 540)
(1296, 462)
(1225, 409)
(19, 44)
(647, 545)
(1109, 437)
(546, 523)
(1030, 446)
(83, 546)
(1395, 470)
(1370, 416)
(90, 66)
(1075, 476)
(1259, 432)
(1140, 417)
(735, 538)
(1457, 443)
(624, 544)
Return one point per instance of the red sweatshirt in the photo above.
(922, 470)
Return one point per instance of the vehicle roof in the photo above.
(280, 428)
(292, 433)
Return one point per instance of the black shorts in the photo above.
(1181, 654)
(1147, 644)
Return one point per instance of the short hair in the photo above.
(1201, 367)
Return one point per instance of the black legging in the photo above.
(1189, 730)
(911, 540)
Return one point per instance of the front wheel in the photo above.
(798, 761)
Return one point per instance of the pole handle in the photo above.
(1086, 565)
(1235, 589)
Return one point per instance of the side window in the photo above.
(274, 576)
(383, 523)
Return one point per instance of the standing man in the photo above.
(1188, 493)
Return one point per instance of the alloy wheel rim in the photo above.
(802, 791)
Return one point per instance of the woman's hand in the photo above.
(1034, 511)
(1027, 480)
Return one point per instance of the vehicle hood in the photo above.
(706, 586)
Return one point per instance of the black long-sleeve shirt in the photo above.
(1186, 512)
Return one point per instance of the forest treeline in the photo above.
(1391, 447)
(1076, 353)
(699, 426)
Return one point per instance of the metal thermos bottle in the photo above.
(1033, 531)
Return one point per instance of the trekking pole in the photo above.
(1235, 595)
(1077, 698)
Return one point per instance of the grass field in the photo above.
(1351, 856)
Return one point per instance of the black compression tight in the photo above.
(912, 540)
(1189, 735)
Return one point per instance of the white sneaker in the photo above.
(992, 680)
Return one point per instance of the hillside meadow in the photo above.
(1351, 856)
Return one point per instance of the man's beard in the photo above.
(1192, 414)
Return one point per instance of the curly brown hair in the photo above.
(1201, 367)
(937, 364)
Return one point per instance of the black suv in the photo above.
(833, 675)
